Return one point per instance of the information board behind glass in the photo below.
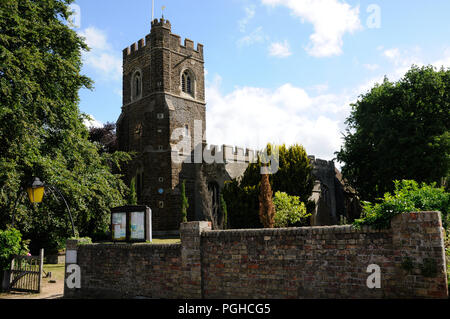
(137, 226)
(119, 226)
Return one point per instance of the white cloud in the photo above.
(288, 114)
(444, 61)
(249, 15)
(92, 123)
(331, 19)
(102, 58)
(392, 54)
(280, 49)
(372, 67)
(402, 60)
(256, 36)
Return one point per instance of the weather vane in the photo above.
(163, 8)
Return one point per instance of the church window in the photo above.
(136, 86)
(187, 83)
(186, 130)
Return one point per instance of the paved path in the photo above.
(48, 291)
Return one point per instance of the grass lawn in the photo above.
(56, 270)
(157, 241)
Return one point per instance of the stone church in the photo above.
(164, 93)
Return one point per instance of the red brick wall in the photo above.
(314, 262)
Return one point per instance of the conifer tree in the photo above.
(223, 207)
(266, 206)
(184, 202)
(132, 196)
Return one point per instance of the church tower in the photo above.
(163, 91)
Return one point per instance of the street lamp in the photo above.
(36, 191)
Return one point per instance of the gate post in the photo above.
(191, 262)
(6, 280)
(41, 267)
(71, 258)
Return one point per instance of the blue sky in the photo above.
(282, 71)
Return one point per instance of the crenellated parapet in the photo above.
(173, 42)
(229, 154)
(320, 164)
(161, 23)
(134, 48)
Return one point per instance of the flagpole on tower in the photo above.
(153, 10)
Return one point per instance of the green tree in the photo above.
(41, 128)
(11, 244)
(132, 197)
(223, 208)
(293, 177)
(184, 203)
(290, 211)
(399, 131)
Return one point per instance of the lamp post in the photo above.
(36, 191)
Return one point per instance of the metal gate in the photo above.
(26, 273)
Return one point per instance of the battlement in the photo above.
(135, 47)
(162, 23)
(173, 43)
(319, 163)
(187, 48)
(230, 154)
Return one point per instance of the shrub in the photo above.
(11, 244)
(223, 207)
(294, 177)
(242, 205)
(289, 211)
(408, 197)
(82, 240)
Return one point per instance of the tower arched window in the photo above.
(187, 83)
(136, 86)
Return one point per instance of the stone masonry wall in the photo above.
(311, 262)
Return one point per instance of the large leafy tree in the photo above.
(105, 137)
(293, 177)
(41, 127)
(399, 131)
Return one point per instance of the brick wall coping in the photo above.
(347, 229)
(132, 246)
(292, 231)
